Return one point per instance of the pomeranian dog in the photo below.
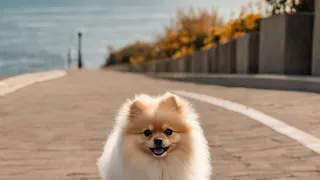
(156, 138)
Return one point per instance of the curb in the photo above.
(278, 82)
(15, 83)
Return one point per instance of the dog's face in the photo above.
(157, 129)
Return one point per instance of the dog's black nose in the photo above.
(158, 141)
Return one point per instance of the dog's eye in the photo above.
(168, 132)
(147, 133)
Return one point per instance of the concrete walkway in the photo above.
(55, 129)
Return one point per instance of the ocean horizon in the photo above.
(35, 35)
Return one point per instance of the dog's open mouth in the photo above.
(158, 151)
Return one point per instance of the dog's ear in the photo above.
(170, 101)
(136, 109)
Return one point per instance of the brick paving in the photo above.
(298, 109)
(55, 130)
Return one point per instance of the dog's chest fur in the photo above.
(152, 170)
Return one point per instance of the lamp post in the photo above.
(69, 58)
(79, 50)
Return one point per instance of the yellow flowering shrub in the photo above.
(196, 30)
(136, 59)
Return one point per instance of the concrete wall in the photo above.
(144, 68)
(167, 65)
(213, 58)
(174, 65)
(272, 44)
(181, 64)
(196, 64)
(247, 55)
(188, 64)
(299, 44)
(285, 44)
(139, 68)
(316, 41)
(160, 66)
(204, 61)
(227, 57)
(151, 66)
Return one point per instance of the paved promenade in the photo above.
(54, 130)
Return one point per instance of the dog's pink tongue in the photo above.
(158, 150)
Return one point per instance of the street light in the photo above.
(79, 50)
(69, 58)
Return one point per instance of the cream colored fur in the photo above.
(195, 165)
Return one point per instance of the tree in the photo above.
(290, 6)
